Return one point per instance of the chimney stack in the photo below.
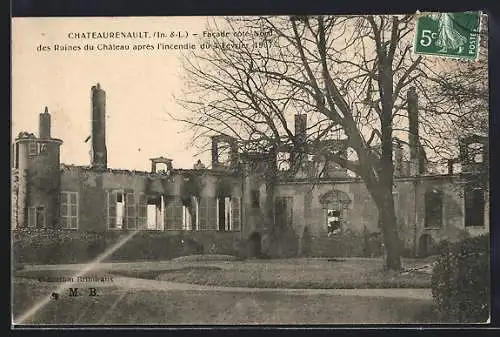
(398, 159)
(44, 125)
(301, 127)
(215, 152)
(99, 151)
(300, 138)
(413, 137)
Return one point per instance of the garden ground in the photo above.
(307, 273)
(143, 293)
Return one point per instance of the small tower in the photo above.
(37, 161)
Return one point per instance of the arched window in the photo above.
(334, 204)
(433, 208)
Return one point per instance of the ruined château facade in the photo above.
(228, 199)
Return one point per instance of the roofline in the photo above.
(44, 140)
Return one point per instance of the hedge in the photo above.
(347, 244)
(461, 280)
(50, 246)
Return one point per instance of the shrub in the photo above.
(344, 244)
(55, 246)
(461, 280)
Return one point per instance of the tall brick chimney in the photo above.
(413, 137)
(300, 138)
(99, 151)
(44, 124)
(301, 127)
(398, 159)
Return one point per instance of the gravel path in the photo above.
(147, 284)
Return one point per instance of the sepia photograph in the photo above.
(250, 170)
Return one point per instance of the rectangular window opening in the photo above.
(69, 210)
(120, 210)
(333, 221)
(433, 208)
(255, 198)
(283, 211)
(474, 207)
(190, 214)
(154, 212)
(224, 213)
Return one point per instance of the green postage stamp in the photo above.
(448, 34)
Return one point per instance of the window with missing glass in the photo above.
(434, 208)
(474, 199)
(283, 211)
(255, 198)
(333, 221)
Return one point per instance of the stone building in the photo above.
(228, 200)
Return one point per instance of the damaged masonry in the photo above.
(226, 200)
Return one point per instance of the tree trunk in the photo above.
(270, 180)
(388, 225)
(391, 238)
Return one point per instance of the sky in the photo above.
(139, 86)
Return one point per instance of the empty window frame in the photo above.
(283, 161)
(433, 208)
(224, 153)
(224, 214)
(255, 198)
(190, 214)
(333, 220)
(474, 199)
(116, 210)
(69, 210)
(228, 214)
(283, 211)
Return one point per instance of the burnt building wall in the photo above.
(93, 188)
(359, 213)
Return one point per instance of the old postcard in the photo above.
(250, 170)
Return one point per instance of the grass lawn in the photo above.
(121, 306)
(290, 273)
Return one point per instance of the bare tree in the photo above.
(351, 75)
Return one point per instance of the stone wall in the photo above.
(361, 213)
(93, 185)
